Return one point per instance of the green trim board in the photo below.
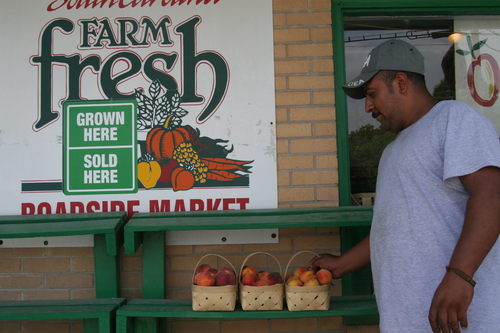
(416, 7)
(168, 308)
(97, 313)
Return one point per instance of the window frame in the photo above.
(343, 8)
(359, 282)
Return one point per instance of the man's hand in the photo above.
(448, 312)
(327, 261)
(355, 258)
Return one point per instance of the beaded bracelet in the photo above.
(461, 274)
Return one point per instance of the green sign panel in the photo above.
(100, 147)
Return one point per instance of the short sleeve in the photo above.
(471, 142)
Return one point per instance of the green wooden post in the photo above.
(147, 325)
(90, 325)
(106, 270)
(153, 265)
(101, 325)
(153, 277)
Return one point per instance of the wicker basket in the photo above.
(306, 298)
(214, 298)
(258, 298)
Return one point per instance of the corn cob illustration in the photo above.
(188, 159)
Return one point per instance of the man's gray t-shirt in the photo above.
(419, 215)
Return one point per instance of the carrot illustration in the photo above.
(225, 164)
(222, 175)
(225, 160)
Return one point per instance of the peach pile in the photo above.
(250, 277)
(303, 276)
(205, 275)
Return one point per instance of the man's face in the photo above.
(383, 102)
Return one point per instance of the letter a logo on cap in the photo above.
(367, 61)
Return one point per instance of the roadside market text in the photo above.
(132, 206)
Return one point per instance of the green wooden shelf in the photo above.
(110, 228)
(244, 219)
(106, 228)
(43, 218)
(168, 308)
(98, 314)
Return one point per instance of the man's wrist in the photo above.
(464, 276)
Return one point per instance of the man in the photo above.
(437, 212)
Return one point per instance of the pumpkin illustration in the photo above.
(162, 141)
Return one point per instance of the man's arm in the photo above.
(355, 258)
(479, 234)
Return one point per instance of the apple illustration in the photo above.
(487, 63)
(490, 66)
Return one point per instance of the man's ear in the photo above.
(401, 83)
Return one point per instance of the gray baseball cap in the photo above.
(393, 54)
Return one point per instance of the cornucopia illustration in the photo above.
(176, 155)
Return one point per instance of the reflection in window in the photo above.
(430, 36)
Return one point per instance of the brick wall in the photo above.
(307, 177)
(306, 143)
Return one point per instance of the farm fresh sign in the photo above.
(137, 105)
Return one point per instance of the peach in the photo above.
(274, 278)
(299, 271)
(324, 276)
(311, 282)
(227, 269)
(248, 269)
(306, 276)
(224, 278)
(204, 279)
(212, 271)
(294, 281)
(249, 279)
(261, 283)
(202, 268)
(263, 275)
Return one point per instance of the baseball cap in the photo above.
(393, 54)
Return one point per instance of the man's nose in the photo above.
(368, 105)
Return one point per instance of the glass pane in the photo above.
(366, 140)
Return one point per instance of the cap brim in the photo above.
(355, 87)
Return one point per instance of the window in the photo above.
(361, 34)
(461, 46)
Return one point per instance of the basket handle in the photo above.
(297, 254)
(265, 253)
(213, 254)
